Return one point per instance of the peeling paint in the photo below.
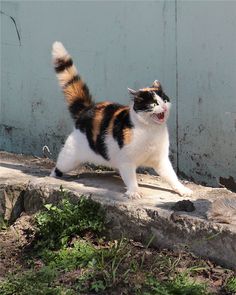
(7, 128)
(35, 105)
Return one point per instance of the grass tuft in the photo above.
(58, 223)
(231, 285)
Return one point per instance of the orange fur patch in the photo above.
(110, 127)
(75, 90)
(127, 133)
(97, 119)
(150, 89)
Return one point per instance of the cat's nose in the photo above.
(164, 108)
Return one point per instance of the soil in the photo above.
(15, 242)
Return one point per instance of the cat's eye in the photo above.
(154, 104)
(165, 100)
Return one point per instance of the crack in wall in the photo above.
(14, 22)
(177, 86)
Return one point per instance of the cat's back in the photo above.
(102, 116)
(102, 120)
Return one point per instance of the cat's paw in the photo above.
(183, 191)
(133, 195)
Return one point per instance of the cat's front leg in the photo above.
(128, 174)
(165, 170)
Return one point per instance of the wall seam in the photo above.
(177, 87)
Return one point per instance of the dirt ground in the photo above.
(15, 242)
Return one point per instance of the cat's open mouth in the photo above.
(158, 117)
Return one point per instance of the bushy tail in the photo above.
(75, 90)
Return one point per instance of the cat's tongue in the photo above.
(161, 116)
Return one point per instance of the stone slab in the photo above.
(208, 231)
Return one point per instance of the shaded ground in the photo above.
(139, 270)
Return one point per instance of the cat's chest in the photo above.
(147, 143)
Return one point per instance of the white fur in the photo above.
(58, 50)
(149, 147)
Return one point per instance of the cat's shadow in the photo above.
(33, 170)
(97, 179)
(109, 178)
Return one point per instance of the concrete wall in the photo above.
(188, 45)
(206, 43)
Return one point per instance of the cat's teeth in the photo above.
(161, 116)
(158, 118)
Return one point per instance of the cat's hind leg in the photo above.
(68, 158)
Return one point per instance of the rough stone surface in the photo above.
(208, 231)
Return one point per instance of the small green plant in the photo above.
(180, 285)
(183, 285)
(58, 223)
(98, 286)
(30, 282)
(105, 266)
(3, 223)
(68, 259)
(231, 285)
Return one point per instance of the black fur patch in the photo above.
(165, 97)
(86, 91)
(108, 114)
(75, 108)
(62, 65)
(144, 99)
(58, 172)
(121, 122)
(85, 124)
(162, 94)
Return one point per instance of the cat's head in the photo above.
(151, 103)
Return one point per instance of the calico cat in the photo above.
(110, 134)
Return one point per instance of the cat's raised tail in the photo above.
(76, 92)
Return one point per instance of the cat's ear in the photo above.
(133, 92)
(157, 84)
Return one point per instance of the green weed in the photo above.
(31, 282)
(58, 223)
(67, 259)
(231, 285)
(180, 285)
(3, 223)
(183, 285)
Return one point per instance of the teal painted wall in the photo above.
(206, 42)
(188, 45)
